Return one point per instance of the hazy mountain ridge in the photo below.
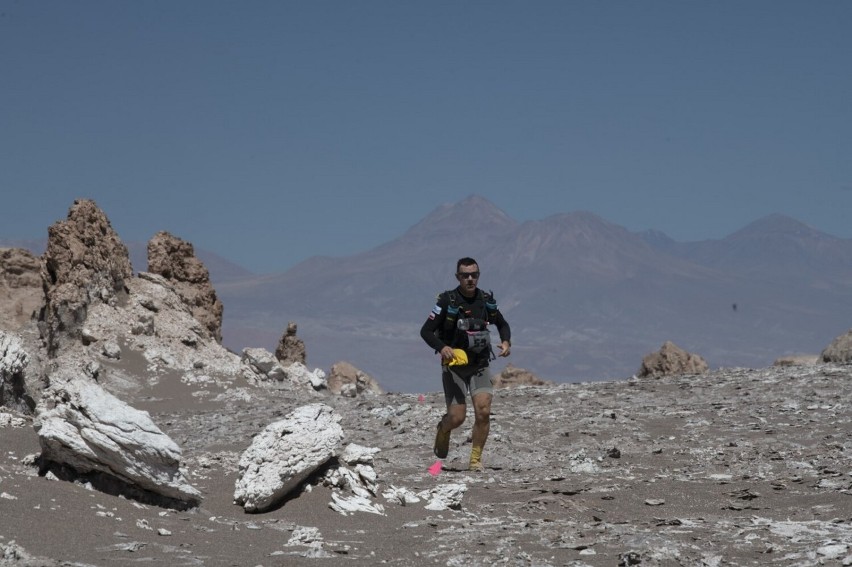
(586, 298)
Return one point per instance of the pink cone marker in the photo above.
(435, 469)
(421, 398)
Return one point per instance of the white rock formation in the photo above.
(355, 454)
(264, 364)
(284, 454)
(264, 367)
(10, 420)
(156, 322)
(350, 504)
(444, 496)
(400, 495)
(299, 375)
(13, 358)
(13, 364)
(83, 426)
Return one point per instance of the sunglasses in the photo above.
(468, 275)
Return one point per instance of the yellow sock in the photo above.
(476, 458)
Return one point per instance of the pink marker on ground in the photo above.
(421, 398)
(435, 469)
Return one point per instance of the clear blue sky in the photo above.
(270, 132)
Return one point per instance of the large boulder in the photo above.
(512, 377)
(285, 454)
(290, 348)
(671, 360)
(82, 426)
(21, 294)
(344, 379)
(85, 263)
(175, 260)
(840, 349)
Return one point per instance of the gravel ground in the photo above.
(734, 467)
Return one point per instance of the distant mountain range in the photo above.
(586, 299)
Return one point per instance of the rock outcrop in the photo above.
(156, 323)
(85, 263)
(13, 367)
(286, 453)
(840, 349)
(290, 348)
(264, 368)
(671, 360)
(264, 364)
(21, 294)
(82, 426)
(512, 377)
(175, 260)
(346, 380)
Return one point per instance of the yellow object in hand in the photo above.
(459, 358)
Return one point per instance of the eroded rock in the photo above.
(840, 349)
(21, 294)
(512, 377)
(344, 379)
(175, 260)
(671, 360)
(290, 348)
(85, 263)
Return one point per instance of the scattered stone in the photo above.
(444, 497)
(350, 504)
(9, 420)
(355, 454)
(400, 495)
(111, 350)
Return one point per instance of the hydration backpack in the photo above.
(466, 326)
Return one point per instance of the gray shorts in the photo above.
(456, 387)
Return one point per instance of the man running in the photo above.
(457, 328)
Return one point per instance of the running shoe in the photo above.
(442, 442)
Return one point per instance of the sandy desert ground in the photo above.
(735, 467)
